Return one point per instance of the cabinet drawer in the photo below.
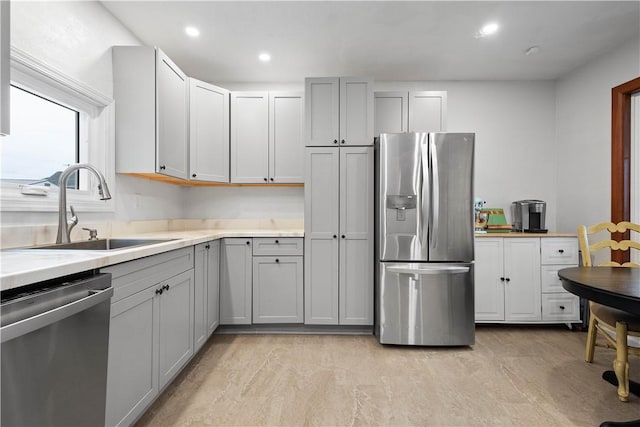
(560, 306)
(559, 251)
(134, 276)
(277, 245)
(549, 278)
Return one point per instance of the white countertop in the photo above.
(22, 266)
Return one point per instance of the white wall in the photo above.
(76, 38)
(583, 134)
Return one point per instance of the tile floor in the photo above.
(512, 376)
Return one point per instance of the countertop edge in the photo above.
(24, 266)
(520, 234)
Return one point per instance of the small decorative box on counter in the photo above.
(496, 221)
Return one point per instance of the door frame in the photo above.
(621, 158)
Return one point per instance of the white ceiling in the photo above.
(388, 40)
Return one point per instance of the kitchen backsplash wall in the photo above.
(244, 202)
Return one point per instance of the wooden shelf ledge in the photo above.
(186, 183)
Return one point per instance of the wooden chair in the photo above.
(605, 319)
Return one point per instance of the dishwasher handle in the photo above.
(57, 314)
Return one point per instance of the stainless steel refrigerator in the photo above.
(424, 239)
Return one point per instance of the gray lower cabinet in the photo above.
(151, 332)
(176, 325)
(278, 289)
(235, 281)
(206, 292)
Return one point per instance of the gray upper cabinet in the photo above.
(151, 112)
(391, 112)
(339, 236)
(208, 132)
(249, 137)
(267, 137)
(427, 111)
(235, 281)
(286, 136)
(417, 111)
(4, 66)
(339, 111)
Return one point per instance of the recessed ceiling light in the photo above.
(487, 30)
(192, 31)
(532, 50)
(264, 57)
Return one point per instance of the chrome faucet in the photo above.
(65, 226)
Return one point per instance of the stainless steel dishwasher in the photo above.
(54, 339)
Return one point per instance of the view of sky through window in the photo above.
(43, 140)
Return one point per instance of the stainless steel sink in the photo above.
(102, 244)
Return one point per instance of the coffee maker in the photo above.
(529, 216)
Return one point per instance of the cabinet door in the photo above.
(356, 236)
(235, 282)
(390, 109)
(321, 100)
(286, 139)
(132, 375)
(200, 284)
(356, 111)
(176, 325)
(489, 289)
(277, 289)
(522, 279)
(213, 288)
(321, 236)
(427, 111)
(4, 66)
(208, 132)
(249, 137)
(171, 119)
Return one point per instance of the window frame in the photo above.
(97, 137)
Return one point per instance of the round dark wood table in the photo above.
(616, 287)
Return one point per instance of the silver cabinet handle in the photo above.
(41, 320)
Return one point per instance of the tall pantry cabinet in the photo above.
(339, 202)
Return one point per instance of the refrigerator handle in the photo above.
(449, 269)
(423, 224)
(435, 192)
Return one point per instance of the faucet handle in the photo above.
(93, 233)
(72, 222)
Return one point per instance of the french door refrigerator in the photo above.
(424, 239)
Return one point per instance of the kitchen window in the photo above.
(56, 120)
(44, 140)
